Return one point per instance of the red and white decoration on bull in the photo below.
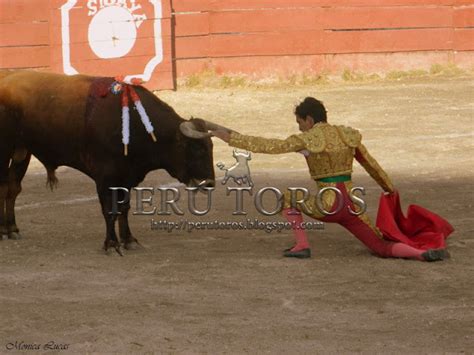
(126, 90)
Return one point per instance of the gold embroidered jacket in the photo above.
(330, 151)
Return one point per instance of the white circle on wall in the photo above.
(112, 32)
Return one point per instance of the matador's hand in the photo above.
(222, 134)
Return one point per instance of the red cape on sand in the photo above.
(420, 229)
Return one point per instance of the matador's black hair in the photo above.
(313, 108)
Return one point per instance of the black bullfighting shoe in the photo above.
(435, 254)
(288, 249)
(300, 254)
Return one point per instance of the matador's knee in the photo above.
(302, 202)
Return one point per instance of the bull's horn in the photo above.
(189, 130)
(214, 126)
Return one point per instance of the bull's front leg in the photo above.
(16, 173)
(3, 198)
(3, 219)
(111, 240)
(129, 242)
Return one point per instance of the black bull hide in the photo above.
(76, 121)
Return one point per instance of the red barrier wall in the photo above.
(285, 37)
(257, 37)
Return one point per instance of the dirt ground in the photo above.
(231, 291)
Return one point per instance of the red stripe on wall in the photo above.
(464, 39)
(219, 5)
(24, 34)
(329, 18)
(297, 42)
(194, 24)
(191, 5)
(313, 42)
(24, 11)
(463, 16)
(387, 41)
(192, 47)
(463, 2)
(24, 57)
(285, 66)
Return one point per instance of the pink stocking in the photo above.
(300, 234)
(400, 250)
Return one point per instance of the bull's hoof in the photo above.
(3, 236)
(118, 249)
(15, 236)
(133, 245)
(113, 244)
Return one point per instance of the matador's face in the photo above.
(305, 124)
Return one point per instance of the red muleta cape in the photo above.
(420, 229)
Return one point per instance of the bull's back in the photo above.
(49, 110)
(5, 73)
(36, 94)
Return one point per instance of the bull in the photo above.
(61, 121)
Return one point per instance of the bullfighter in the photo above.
(329, 151)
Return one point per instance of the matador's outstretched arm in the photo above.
(266, 145)
(373, 168)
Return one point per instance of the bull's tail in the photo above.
(52, 181)
(221, 165)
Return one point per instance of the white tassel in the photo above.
(145, 119)
(125, 125)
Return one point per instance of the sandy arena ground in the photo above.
(232, 291)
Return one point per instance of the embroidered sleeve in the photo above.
(373, 168)
(266, 145)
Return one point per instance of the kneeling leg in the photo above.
(362, 229)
